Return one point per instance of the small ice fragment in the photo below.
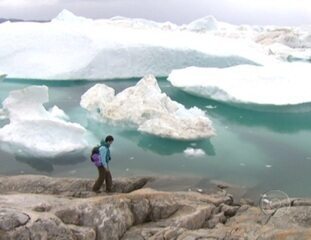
(200, 190)
(210, 107)
(242, 164)
(195, 152)
(268, 166)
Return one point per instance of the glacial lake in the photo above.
(255, 148)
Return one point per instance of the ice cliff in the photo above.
(72, 47)
(281, 84)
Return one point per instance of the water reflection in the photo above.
(47, 164)
(274, 118)
(165, 146)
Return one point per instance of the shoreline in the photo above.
(41, 207)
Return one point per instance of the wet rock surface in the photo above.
(39, 207)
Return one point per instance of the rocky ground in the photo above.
(39, 207)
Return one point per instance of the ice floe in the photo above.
(72, 47)
(280, 84)
(34, 131)
(147, 108)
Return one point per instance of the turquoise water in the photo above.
(261, 150)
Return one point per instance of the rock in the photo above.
(194, 218)
(42, 207)
(292, 217)
(218, 218)
(246, 201)
(301, 202)
(40, 228)
(64, 186)
(141, 214)
(82, 233)
(141, 210)
(229, 211)
(12, 218)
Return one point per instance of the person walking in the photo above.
(104, 173)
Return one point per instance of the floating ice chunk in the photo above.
(279, 84)
(195, 152)
(268, 166)
(148, 109)
(210, 107)
(33, 131)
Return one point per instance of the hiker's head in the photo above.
(109, 139)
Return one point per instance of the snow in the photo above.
(145, 107)
(58, 113)
(33, 131)
(203, 24)
(72, 47)
(279, 84)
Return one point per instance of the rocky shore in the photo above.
(40, 207)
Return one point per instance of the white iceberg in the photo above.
(295, 41)
(33, 131)
(147, 108)
(72, 47)
(281, 84)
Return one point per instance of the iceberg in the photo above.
(35, 132)
(145, 107)
(285, 43)
(72, 47)
(281, 84)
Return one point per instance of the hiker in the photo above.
(103, 168)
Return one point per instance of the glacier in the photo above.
(72, 47)
(280, 84)
(146, 108)
(35, 132)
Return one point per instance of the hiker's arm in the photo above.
(103, 153)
